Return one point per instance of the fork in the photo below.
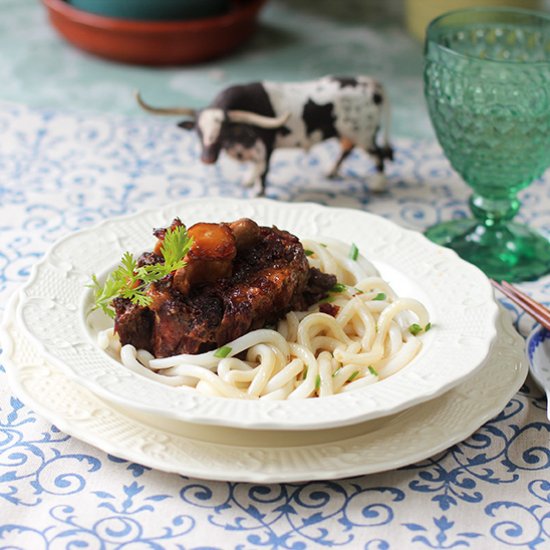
(536, 310)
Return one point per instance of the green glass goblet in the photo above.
(487, 84)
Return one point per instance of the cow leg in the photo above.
(346, 147)
(255, 179)
(259, 185)
(259, 169)
(378, 182)
(251, 179)
(260, 156)
(261, 176)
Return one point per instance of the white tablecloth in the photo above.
(61, 172)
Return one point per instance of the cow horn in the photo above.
(246, 117)
(164, 110)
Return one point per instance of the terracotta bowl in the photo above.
(155, 42)
(153, 10)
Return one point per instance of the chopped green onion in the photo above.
(304, 373)
(415, 329)
(222, 352)
(323, 245)
(372, 370)
(327, 300)
(358, 290)
(353, 252)
(309, 252)
(353, 375)
(380, 296)
(339, 287)
(336, 372)
(427, 327)
(318, 382)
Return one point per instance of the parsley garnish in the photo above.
(339, 287)
(129, 281)
(224, 351)
(380, 296)
(353, 376)
(175, 246)
(317, 382)
(353, 252)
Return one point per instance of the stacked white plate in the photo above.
(472, 361)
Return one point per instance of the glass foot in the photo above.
(508, 251)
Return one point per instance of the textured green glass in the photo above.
(487, 84)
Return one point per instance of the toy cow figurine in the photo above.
(249, 121)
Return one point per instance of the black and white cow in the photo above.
(249, 121)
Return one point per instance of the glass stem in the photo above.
(491, 212)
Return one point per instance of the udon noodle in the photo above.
(366, 334)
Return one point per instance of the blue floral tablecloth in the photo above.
(61, 172)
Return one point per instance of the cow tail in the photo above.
(387, 150)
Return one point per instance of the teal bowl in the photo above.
(153, 10)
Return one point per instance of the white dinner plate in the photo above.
(459, 298)
(230, 454)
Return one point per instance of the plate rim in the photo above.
(247, 421)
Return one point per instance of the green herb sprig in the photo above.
(416, 329)
(353, 252)
(222, 352)
(130, 281)
(353, 376)
(339, 287)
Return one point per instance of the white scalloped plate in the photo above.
(230, 454)
(458, 296)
